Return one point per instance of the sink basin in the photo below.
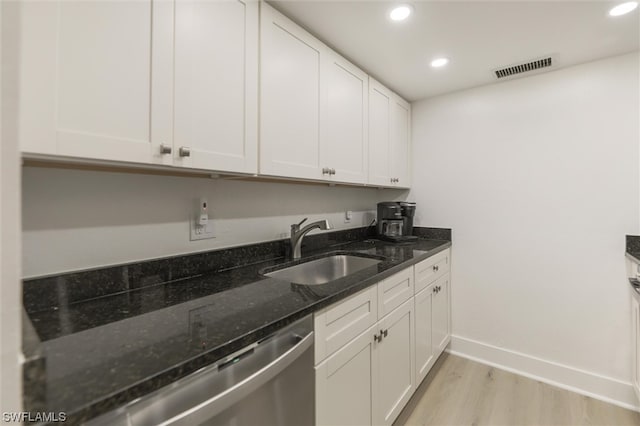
(324, 270)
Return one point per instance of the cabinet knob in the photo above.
(184, 151)
(384, 333)
(325, 170)
(165, 149)
(377, 338)
(333, 171)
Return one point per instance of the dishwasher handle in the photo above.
(216, 404)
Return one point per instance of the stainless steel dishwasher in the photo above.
(270, 382)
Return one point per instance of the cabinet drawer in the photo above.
(394, 291)
(431, 269)
(340, 323)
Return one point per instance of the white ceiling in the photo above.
(478, 37)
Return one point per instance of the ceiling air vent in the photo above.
(522, 68)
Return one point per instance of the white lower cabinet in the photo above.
(432, 325)
(395, 352)
(425, 354)
(635, 327)
(345, 383)
(366, 371)
(441, 308)
(369, 380)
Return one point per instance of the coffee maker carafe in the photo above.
(395, 221)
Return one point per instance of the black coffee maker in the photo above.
(395, 221)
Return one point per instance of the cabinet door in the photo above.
(345, 383)
(400, 142)
(396, 378)
(380, 106)
(424, 336)
(441, 322)
(88, 70)
(635, 328)
(216, 84)
(344, 143)
(290, 98)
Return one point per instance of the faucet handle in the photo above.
(303, 221)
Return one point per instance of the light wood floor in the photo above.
(458, 391)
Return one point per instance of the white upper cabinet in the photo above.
(313, 106)
(217, 85)
(389, 137)
(290, 98)
(136, 81)
(216, 78)
(344, 146)
(379, 134)
(86, 76)
(400, 142)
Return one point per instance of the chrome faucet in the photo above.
(297, 234)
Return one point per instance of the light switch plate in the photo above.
(200, 232)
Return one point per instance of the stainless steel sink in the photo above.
(324, 270)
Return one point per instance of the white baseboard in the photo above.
(583, 382)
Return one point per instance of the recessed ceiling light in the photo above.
(400, 12)
(623, 8)
(439, 62)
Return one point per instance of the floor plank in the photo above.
(458, 391)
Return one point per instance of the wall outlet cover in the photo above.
(200, 232)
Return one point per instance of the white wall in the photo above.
(75, 219)
(538, 177)
(10, 289)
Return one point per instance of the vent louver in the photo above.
(526, 67)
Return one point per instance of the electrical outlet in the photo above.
(348, 215)
(200, 232)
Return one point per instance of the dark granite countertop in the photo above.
(104, 352)
(633, 252)
(633, 255)
(633, 247)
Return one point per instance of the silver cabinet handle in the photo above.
(165, 149)
(185, 151)
(333, 171)
(377, 338)
(326, 170)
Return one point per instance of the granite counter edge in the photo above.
(142, 388)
